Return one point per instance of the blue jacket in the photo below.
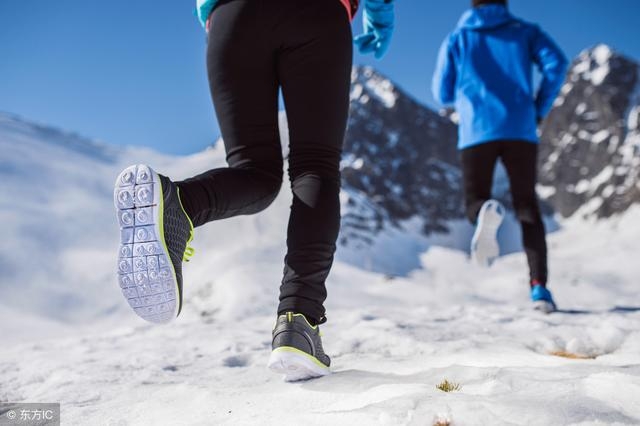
(485, 68)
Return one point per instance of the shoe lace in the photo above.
(189, 251)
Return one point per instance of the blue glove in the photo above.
(377, 20)
(203, 9)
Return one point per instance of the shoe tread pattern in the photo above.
(145, 276)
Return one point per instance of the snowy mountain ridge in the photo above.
(590, 156)
(400, 154)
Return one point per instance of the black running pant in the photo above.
(520, 161)
(304, 48)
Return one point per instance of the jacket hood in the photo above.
(485, 17)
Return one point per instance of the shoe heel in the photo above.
(295, 364)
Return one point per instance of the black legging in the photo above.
(520, 161)
(256, 47)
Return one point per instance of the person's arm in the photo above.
(378, 21)
(443, 84)
(553, 65)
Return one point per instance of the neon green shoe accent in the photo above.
(299, 352)
(188, 251)
(313, 327)
(290, 316)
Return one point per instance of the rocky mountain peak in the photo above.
(590, 154)
(399, 156)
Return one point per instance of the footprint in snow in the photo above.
(235, 361)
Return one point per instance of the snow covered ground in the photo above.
(68, 337)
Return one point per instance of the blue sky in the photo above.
(133, 72)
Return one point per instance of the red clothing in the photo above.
(347, 5)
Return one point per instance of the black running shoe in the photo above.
(155, 233)
(297, 349)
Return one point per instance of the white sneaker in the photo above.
(484, 245)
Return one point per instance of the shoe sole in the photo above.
(484, 244)
(295, 365)
(145, 273)
(544, 306)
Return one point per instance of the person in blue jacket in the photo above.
(256, 48)
(485, 70)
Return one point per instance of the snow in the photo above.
(384, 91)
(603, 177)
(584, 135)
(602, 53)
(634, 116)
(356, 91)
(591, 185)
(564, 91)
(545, 191)
(582, 66)
(377, 86)
(608, 191)
(568, 138)
(631, 142)
(633, 112)
(350, 160)
(601, 136)
(590, 207)
(67, 336)
(594, 64)
(455, 117)
(582, 186)
(600, 74)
